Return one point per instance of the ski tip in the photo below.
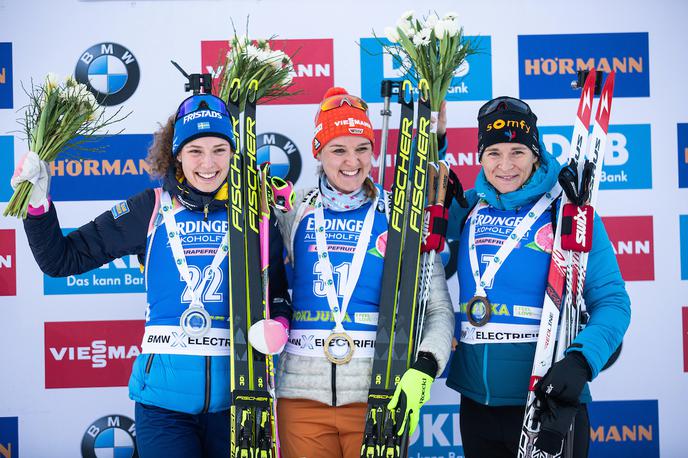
(585, 104)
(604, 107)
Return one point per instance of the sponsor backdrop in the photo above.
(68, 343)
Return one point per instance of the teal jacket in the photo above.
(498, 373)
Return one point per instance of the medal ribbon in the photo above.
(481, 281)
(178, 252)
(338, 313)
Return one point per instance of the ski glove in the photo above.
(268, 336)
(413, 390)
(559, 392)
(32, 169)
(565, 380)
(455, 191)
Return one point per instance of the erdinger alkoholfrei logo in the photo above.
(282, 153)
(110, 71)
(112, 435)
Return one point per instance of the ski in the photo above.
(560, 315)
(252, 419)
(400, 286)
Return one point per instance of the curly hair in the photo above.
(160, 153)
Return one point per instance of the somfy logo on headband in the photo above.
(501, 123)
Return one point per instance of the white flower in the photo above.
(252, 52)
(431, 20)
(452, 27)
(392, 34)
(406, 27)
(422, 38)
(288, 79)
(440, 29)
(450, 15)
(50, 82)
(408, 15)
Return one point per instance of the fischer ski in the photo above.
(563, 298)
(252, 415)
(394, 345)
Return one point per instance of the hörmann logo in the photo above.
(9, 437)
(682, 155)
(624, 428)
(6, 94)
(627, 160)
(91, 354)
(472, 80)
(313, 66)
(548, 63)
(115, 170)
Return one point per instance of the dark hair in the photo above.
(160, 156)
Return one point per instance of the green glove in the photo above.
(412, 392)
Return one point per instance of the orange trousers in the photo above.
(310, 429)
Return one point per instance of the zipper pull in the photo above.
(205, 212)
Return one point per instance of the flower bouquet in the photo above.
(429, 48)
(59, 115)
(249, 60)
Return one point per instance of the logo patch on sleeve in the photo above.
(120, 209)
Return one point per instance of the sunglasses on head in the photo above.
(504, 103)
(202, 102)
(337, 101)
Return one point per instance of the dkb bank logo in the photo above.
(472, 80)
(437, 433)
(627, 159)
(682, 155)
(683, 223)
(6, 166)
(122, 275)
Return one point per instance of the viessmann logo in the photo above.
(116, 170)
(8, 259)
(633, 242)
(627, 159)
(472, 80)
(548, 63)
(313, 66)
(91, 354)
(462, 154)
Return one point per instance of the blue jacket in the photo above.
(184, 383)
(498, 373)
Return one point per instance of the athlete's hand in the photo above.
(413, 390)
(268, 336)
(564, 381)
(32, 169)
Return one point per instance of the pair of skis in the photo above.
(397, 327)
(559, 324)
(253, 416)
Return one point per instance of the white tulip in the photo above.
(408, 15)
(406, 27)
(451, 15)
(452, 27)
(431, 20)
(392, 34)
(440, 29)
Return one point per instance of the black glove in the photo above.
(565, 380)
(455, 190)
(559, 392)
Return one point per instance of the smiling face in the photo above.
(205, 162)
(347, 162)
(508, 166)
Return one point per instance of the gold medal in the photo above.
(478, 311)
(339, 347)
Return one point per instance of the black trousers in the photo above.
(494, 432)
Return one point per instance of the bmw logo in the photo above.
(112, 435)
(110, 71)
(282, 153)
